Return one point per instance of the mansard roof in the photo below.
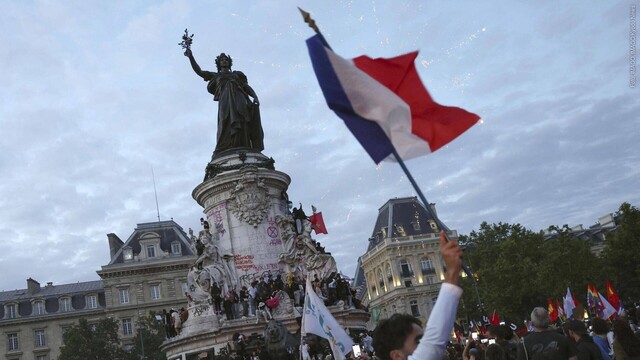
(53, 290)
(405, 216)
(400, 217)
(168, 231)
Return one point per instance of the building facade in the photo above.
(146, 273)
(401, 271)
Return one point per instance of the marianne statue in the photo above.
(238, 115)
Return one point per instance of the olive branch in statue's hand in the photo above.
(187, 39)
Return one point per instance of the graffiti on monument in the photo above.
(215, 215)
(272, 232)
(244, 263)
(200, 310)
(247, 279)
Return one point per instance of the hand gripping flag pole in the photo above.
(387, 108)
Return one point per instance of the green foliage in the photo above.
(153, 334)
(620, 255)
(518, 269)
(81, 342)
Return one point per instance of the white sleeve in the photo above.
(438, 329)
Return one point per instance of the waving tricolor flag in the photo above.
(384, 103)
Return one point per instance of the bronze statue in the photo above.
(239, 123)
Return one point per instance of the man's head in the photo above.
(576, 329)
(223, 61)
(540, 318)
(397, 337)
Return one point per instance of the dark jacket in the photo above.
(587, 349)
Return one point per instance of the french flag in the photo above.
(384, 103)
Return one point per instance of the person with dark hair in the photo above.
(626, 346)
(499, 333)
(400, 337)
(587, 349)
(600, 330)
(543, 343)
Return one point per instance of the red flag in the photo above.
(317, 223)
(553, 311)
(495, 318)
(612, 296)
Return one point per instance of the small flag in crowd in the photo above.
(569, 304)
(608, 311)
(561, 313)
(384, 103)
(591, 298)
(317, 319)
(612, 296)
(495, 318)
(553, 311)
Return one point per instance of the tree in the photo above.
(93, 342)
(518, 269)
(153, 334)
(620, 254)
(503, 257)
(568, 262)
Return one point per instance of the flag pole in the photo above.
(312, 24)
(440, 224)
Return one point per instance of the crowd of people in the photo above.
(261, 296)
(575, 339)
(173, 321)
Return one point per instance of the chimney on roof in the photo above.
(32, 286)
(433, 209)
(114, 244)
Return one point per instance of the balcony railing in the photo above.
(427, 271)
(405, 273)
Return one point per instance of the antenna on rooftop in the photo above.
(153, 176)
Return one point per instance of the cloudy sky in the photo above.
(94, 94)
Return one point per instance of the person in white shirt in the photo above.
(401, 336)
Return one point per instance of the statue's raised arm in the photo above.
(206, 75)
(239, 125)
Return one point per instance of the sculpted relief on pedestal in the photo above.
(249, 200)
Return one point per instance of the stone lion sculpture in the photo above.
(278, 340)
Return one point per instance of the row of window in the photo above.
(14, 342)
(151, 251)
(154, 293)
(406, 271)
(11, 310)
(40, 340)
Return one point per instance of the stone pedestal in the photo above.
(241, 199)
(251, 234)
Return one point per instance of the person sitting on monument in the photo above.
(238, 116)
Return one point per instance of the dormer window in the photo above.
(433, 225)
(38, 307)
(65, 304)
(127, 254)
(400, 229)
(151, 251)
(10, 311)
(150, 246)
(176, 249)
(92, 302)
